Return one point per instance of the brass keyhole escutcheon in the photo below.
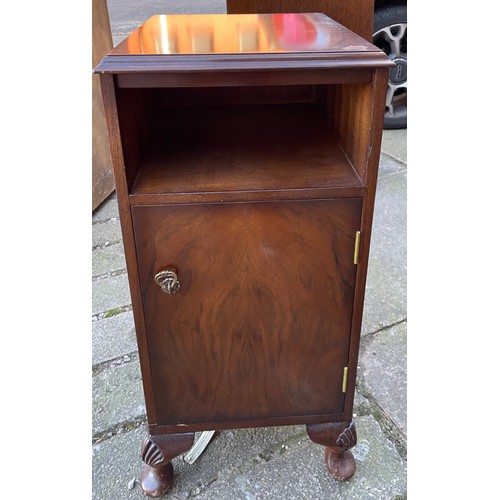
(168, 281)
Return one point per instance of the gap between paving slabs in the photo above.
(383, 390)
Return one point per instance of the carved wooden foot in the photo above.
(158, 452)
(338, 438)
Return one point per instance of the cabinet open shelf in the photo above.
(222, 149)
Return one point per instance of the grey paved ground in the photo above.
(253, 464)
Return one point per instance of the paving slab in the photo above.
(117, 397)
(386, 285)
(388, 165)
(127, 16)
(108, 209)
(232, 452)
(108, 259)
(300, 473)
(229, 451)
(113, 337)
(115, 462)
(394, 144)
(382, 371)
(106, 232)
(110, 294)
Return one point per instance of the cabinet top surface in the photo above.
(194, 34)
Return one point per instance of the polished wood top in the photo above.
(215, 43)
(240, 33)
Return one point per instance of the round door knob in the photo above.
(168, 281)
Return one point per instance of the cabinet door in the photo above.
(260, 326)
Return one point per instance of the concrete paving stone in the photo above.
(125, 11)
(386, 285)
(232, 452)
(113, 337)
(300, 473)
(109, 294)
(125, 16)
(117, 396)
(108, 259)
(383, 371)
(394, 143)
(115, 462)
(360, 403)
(107, 232)
(118, 38)
(108, 209)
(388, 165)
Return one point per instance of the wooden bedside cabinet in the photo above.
(245, 152)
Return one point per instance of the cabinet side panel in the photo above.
(375, 115)
(133, 109)
(351, 111)
(260, 326)
(110, 107)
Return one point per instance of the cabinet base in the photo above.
(159, 450)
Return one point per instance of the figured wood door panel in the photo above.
(260, 326)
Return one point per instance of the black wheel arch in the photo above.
(384, 3)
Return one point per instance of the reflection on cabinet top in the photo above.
(164, 42)
(232, 34)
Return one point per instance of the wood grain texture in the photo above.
(246, 63)
(120, 175)
(261, 324)
(102, 173)
(350, 109)
(246, 196)
(222, 96)
(133, 112)
(256, 77)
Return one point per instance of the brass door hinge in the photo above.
(356, 247)
(344, 379)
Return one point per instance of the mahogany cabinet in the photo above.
(245, 153)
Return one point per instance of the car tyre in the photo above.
(390, 35)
